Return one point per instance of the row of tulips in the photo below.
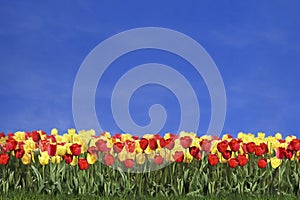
(36, 155)
(133, 150)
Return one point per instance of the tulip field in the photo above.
(124, 165)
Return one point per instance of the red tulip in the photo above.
(153, 144)
(11, 144)
(195, 152)
(259, 151)
(242, 159)
(10, 135)
(19, 153)
(51, 149)
(162, 142)
(83, 164)
(143, 143)
(222, 146)
(4, 159)
(233, 162)
(288, 154)
(134, 137)
(28, 135)
(130, 146)
(264, 146)
(226, 154)
(205, 145)
(186, 141)
(291, 145)
(75, 149)
(169, 143)
(297, 146)
(43, 145)
(108, 159)
(35, 136)
(178, 156)
(262, 163)
(101, 146)
(234, 145)
(68, 158)
(118, 146)
(280, 153)
(213, 159)
(129, 163)
(250, 147)
(158, 159)
(117, 136)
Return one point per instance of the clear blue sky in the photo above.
(256, 46)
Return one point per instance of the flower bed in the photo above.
(172, 165)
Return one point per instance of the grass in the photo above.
(23, 195)
(26, 195)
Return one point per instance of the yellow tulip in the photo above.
(138, 148)
(109, 143)
(19, 136)
(3, 141)
(61, 150)
(91, 158)
(196, 142)
(148, 150)
(122, 155)
(76, 139)
(44, 158)
(29, 145)
(56, 159)
(140, 158)
(240, 135)
(126, 137)
(71, 131)
(278, 136)
(74, 161)
(26, 158)
(54, 131)
(275, 162)
(187, 157)
(261, 135)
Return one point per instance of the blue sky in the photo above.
(255, 45)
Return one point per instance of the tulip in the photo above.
(129, 163)
(44, 158)
(91, 158)
(83, 164)
(4, 159)
(158, 159)
(233, 162)
(275, 162)
(213, 159)
(75, 149)
(262, 163)
(108, 159)
(26, 159)
(178, 156)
